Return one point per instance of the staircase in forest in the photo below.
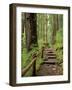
(49, 65)
(49, 56)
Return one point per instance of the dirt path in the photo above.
(49, 65)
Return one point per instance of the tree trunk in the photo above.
(55, 28)
(28, 30)
(46, 28)
(31, 29)
(23, 22)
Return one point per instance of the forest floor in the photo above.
(49, 66)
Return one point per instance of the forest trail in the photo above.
(49, 65)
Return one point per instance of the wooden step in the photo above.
(51, 57)
(48, 51)
(51, 54)
(50, 61)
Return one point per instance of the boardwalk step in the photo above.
(48, 51)
(51, 57)
(50, 61)
(51, 54)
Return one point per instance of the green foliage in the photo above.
(38, 62)
(27, 58)
(59, 39)
(36, 50)
(59, 54)
(59, 46)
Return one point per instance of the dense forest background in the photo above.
(40, 30)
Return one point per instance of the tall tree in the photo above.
(31, 29)
(47, 28)
(27, 30)
(23, 22)
(55, 27)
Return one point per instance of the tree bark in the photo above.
(31, 29)
(55, 28)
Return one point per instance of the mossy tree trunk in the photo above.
(31, 29)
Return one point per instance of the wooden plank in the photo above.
(51, 57)
(28, 67)
(50, 61)
(51, 54)
(48, 51)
